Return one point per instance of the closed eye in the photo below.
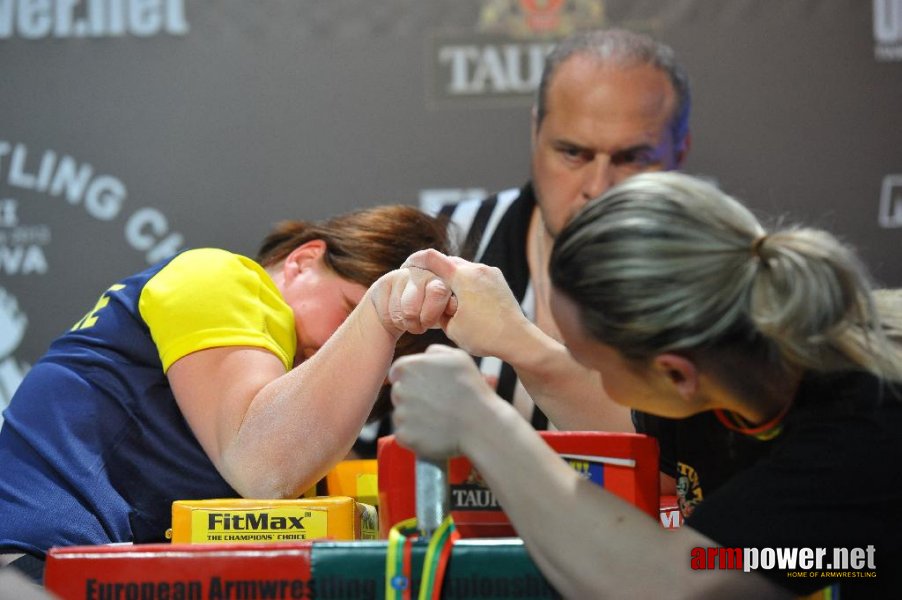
(641, 156)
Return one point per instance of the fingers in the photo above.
(444, 268)
(432, 260)
(422, 302)
(418, 301)
(450, 309)
(411, 302)
(419, 295)
(398, 367)
(435, 303)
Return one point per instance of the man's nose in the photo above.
(598, 178)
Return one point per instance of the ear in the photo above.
(683, 151)
(680, 372)
(302, 258)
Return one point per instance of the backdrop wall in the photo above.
(131, 129)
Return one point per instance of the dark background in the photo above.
(215, 119)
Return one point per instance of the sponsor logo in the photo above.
(531, 18)
(71, 183)
(797, 562)
(257, 526)
(671, 518)
(13, 323)
(888, 30)
(473, 494)
(21, 246)
(253, 522)
(473, 497)
(890, 215)
(33, 20)
(75, 183)
(501, 61)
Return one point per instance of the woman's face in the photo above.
(627, 383)
(321, 301)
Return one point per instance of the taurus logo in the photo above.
(891, 202)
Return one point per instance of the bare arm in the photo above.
(273, 433)
(587, 542)
(571, 395)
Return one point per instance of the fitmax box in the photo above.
(624, 464)
(244, 520)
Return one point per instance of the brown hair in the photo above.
(362, 246)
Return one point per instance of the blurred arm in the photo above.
(586, 541)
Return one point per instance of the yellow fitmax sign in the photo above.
(246, 520)
(273, 525)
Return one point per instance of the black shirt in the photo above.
(830, 479)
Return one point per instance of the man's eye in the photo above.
(574, 154)
(638, 158)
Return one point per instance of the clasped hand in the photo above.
(483, 317)
(440, 396)
(412, 299)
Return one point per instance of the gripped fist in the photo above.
(438, 396)
(411, 300)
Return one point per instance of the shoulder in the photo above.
(213, 298)
(858, 391)
(204, 270)
(860, 438)
(204, 260)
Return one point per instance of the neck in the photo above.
(539, 243)
(761, 413)
(538, 251)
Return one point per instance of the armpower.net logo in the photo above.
(796, 562)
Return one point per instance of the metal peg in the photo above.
(433, 496)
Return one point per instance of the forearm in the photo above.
(571, 395)
(587, 542)
(584, 540)
(302, 423)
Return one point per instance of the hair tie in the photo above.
(756, 245)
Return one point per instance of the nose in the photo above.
(598, 177)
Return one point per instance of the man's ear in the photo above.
(302, 258)
(680, 372)
(683, 151)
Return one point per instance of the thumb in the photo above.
(433, 260)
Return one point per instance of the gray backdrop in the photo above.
(131, 129)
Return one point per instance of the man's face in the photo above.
(602, 125)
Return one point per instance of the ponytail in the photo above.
(666, 262)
